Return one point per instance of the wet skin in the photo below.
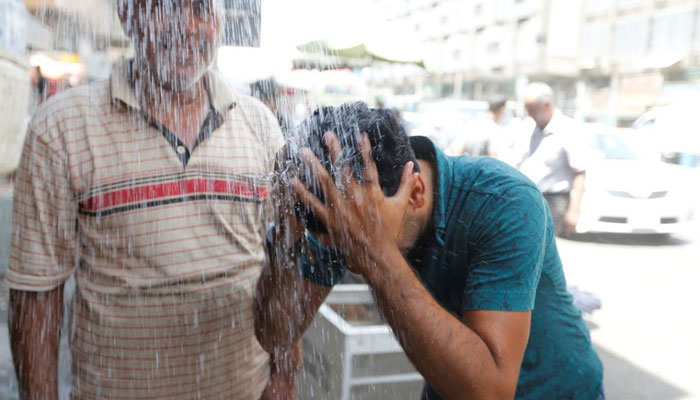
(475, 356)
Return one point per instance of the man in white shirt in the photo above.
(556, 157)
(484, 134)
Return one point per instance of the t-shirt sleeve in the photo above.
(508, 244)
(44, 223)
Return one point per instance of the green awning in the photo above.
(358, 55)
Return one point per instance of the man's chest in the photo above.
(545, 151)
(444, 270)
(134, 193)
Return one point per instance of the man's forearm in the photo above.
(285, 303)
(453, 358)
(578, 187)
(34, 324)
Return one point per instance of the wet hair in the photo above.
(390, 147)
(496, 104)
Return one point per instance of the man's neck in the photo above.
(159, 99)
(549, 122)
(181, 111)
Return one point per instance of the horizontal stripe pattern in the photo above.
(165, 257)
(125, 197)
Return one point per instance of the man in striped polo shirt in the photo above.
(151, 187)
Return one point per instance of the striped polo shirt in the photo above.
(166, 244)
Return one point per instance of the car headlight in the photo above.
(638, 195)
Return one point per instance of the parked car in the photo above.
(630, 190)
(445, 119)
(674, 130)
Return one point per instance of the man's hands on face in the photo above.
(362, 222)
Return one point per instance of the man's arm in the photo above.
(478, 357)
(572, 214)
(35, 324)
(285, 303)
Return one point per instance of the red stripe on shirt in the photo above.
(172, 189)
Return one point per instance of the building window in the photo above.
(672, 31)
(595, 41)
(526, 41)
(629, 3)
(596, 6)
(631, 37)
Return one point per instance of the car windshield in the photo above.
(617, 147)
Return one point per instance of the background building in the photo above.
(638, 53)
(606, 59)
(479, 48)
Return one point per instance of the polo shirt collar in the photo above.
(122, 91)
(426, 150)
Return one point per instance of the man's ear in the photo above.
(418, 198)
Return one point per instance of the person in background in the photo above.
(151, 188)
(484, 135)
(498, 142)
(555, 157)
(459, 251)
(267, 91)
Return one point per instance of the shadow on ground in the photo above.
(626, 239)
(626, 381)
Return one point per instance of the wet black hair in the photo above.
(390, 147)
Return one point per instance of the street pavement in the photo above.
(647, 331)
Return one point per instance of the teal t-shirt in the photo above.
(491, 247)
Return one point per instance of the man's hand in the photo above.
(362, 222)
(570, 221)
(572, 214)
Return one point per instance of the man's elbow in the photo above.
(490, 387)
(492, 392)
(269, 332)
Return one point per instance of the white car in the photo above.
(445, 119)
(674, 131)
(630, 190)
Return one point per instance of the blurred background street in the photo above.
(646, 331)
(627, 71)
